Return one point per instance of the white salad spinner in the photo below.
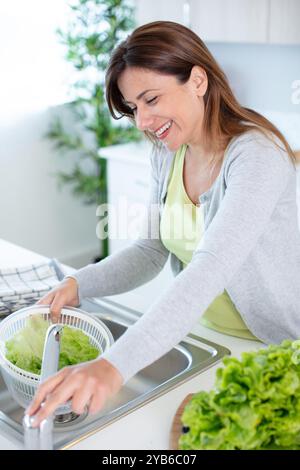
(22, 384)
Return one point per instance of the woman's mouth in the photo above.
(163, 131)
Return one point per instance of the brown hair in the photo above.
(170, 48)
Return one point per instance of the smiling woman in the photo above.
(160, 62)
(224, 176)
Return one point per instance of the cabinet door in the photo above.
(126, 178)
(128, 194)
(284, 22)
(230, 20)
(126, 214)
(160, 10)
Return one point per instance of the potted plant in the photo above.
(94, 29)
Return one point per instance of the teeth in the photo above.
(163, 129)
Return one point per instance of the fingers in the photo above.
(55, 308)
(85, 384)
(58, 397)
(66, 293)
(56, 302)
(46, 299)
(44, 389)
(97, 402)
(80, 399)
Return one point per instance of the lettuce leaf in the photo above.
(25, 348)
(255, 403)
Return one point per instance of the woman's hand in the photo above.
(65, 293)
(90, 383)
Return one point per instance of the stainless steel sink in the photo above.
(191, 357)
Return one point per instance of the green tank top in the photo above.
(181, 228)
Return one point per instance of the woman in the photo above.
(239, 269)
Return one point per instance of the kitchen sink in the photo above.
(188, 359)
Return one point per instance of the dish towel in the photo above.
(23, 286)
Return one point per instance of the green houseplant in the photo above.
(94, 29)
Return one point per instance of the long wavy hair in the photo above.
(170, 48)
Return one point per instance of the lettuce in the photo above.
(255, 403)
(25, 348)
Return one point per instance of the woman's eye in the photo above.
(133, 110)
(153, 99)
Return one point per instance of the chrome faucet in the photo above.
(41, 438)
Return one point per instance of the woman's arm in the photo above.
(256, 179)
(133, 266)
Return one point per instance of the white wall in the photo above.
(262, 75)
(34, 73)
(34, 77)
(33, 212)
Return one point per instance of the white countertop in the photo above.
(148, 427)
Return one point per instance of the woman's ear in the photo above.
(199, 80)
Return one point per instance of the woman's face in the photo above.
(162, 106)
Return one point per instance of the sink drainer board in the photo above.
(191, 357)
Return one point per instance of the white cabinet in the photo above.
(242, 21)
(284, 22)
(128, 171)
(128, 187)
(158, 10)
(128, 174)
(230, 20)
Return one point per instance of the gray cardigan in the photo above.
(250, 247)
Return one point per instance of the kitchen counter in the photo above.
(148, 427)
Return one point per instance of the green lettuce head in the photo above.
(25, 348)
(255, 403)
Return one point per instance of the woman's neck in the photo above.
(203, 155)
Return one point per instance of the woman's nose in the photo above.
(143, 120)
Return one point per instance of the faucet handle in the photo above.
(51, 351)
(40, 438)
(31, 434)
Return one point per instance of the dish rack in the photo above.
(23, 384)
